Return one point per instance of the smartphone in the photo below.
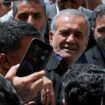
(35, 58)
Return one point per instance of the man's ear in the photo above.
(51, 37)
(4, 61)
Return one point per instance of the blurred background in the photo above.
(103, 1)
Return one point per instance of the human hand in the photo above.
(27, 86)
(47, 92)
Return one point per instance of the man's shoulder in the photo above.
(92, 50)
(94, 56)
(7, 16)
(52, 11)
(86, 11)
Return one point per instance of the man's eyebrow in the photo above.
(25, 12)
(101, 28)
(63, 30)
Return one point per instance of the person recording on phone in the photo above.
(15, 36)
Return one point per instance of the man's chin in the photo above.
(67, 56)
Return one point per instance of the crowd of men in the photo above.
(74, 73)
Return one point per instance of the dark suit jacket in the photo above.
(94, 56)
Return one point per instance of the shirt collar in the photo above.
(57, 8)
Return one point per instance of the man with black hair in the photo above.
(15, 36)
(96, 54)
(83, 84)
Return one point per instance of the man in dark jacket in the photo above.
(69, 37)
(96, 54)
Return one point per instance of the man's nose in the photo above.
(30, 19)
(70, 38)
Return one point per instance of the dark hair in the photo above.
(15, 4)
(11, 33)
(99, 11)
(6, 2)
(83, 84)
(8, 94)
(73, 1)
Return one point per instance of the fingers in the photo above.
(30, 85)
(48, 84)
(45, 97)
(12, 72)
(31, 90)
(27, 86)
(37, 86)
(47, 93)
(35, 76)
(30, 103)
(48, 97)
(52, 102)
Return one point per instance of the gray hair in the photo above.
(69, 12)
(15, 4)
(41, 2)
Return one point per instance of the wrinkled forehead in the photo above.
(74, 21)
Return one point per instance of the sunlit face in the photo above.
(32, 13)
(99, 31)
(69, 40)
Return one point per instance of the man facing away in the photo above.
(15, 37)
